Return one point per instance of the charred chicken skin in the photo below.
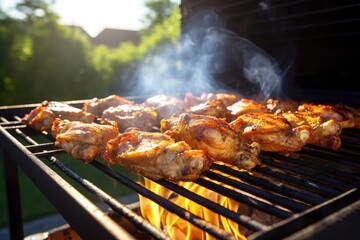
(97, 105)
(273, 132)
(326, 133)
(156, 156)
(132, 115)
(213, 135)
(42, 117)
(84, 141)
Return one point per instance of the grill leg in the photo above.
(13, 198)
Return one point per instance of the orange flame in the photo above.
(178, 228)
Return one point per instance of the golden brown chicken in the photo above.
(273, 132)
(155, 155)
(348, 117)
(214, 108)
(213, 135)
(326, 133)
(84, 141)
(42, 117)
(244, 106)
(132, 115)
(165, 106)
(96, 106)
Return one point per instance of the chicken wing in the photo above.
(84, 141)
(42, 117)
(155, 155)
(347, 117)
(132, 115)
(213, 135)
(326, 133)
(96, 106)
(273, 132)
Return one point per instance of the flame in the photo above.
(178, 228)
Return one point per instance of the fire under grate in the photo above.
(298, 191)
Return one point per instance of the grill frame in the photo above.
(77, 209)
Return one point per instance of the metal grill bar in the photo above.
(110, 201)
(308, 198)
(263, 206)
(184, 214)
(277, 199)
(321, 165)
(284, 229)
(240, 219)
(317, 188)
(338, 157)
(305, 171)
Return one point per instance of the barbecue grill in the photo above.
(308, 193)
(313, 194)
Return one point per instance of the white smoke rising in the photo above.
(208, 59)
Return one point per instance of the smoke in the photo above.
(209, 58)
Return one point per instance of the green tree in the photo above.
(158, 11)
(128, 55)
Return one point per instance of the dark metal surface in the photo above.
(13, 198)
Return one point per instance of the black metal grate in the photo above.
(298, 190)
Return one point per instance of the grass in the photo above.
(34, 204)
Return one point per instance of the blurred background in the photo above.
(69, 50)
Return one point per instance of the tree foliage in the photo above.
(41, 59)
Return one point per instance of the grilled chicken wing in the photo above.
(326, 133)
(84, 141)
(213, 135)
(96, 106)
(347, 117)
(42, 117)
(244, 106)
(214, 108)
(273, 132)
(155, 155)
(131, 115)
(165, 106)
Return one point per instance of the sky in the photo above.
(95, 15)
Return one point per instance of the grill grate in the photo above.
(297, 190)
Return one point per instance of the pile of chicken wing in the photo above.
(179, 138)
